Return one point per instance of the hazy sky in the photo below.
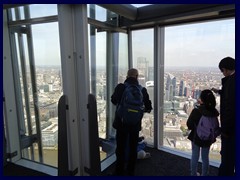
(202, 44)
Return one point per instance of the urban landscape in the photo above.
(182, 87)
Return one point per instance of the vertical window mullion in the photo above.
(158, 87)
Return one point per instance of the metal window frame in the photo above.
(11, 124)
(159, 87)
(75, 69)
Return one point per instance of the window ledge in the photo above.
(52, 171)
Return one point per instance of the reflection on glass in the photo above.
(192, 54)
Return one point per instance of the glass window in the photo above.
(48, 81)
(123, 57)
(103, 47)
(36, 11)
(38, 82)
(97, 56)
(97, 12)
(142, 48)
(41, 10)
(49, 84)
(101, 14)
(192, 55)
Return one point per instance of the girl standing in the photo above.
(207, 104)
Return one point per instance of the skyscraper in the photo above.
(142, 66)
(181, 88)
(170, 90)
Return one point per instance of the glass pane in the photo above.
(142, 47)
(101, 14)
(192, 55)
(49, 84)
(123, 57)
(97, 56)
(41, 10)
(101, 82)
(24, 78)
(98, 79)
(36, 11)
(48, 77)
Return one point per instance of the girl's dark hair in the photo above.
(208, 99)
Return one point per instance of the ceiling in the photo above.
(135, 16)
(168, 14)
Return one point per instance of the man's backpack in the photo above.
(130, 110)
(208, 128)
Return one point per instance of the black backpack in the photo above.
(131, 108)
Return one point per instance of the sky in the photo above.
(202, 44)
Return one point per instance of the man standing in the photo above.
(127, 135)
(227, 117)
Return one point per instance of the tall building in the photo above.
(150, 74)
(142, 66)
(150, 89)
(50, 135)
(187, 92)
(170, 90)
(181, 88)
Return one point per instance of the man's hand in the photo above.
(215, 90)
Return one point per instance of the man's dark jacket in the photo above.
(227, 106)
(117, 95)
